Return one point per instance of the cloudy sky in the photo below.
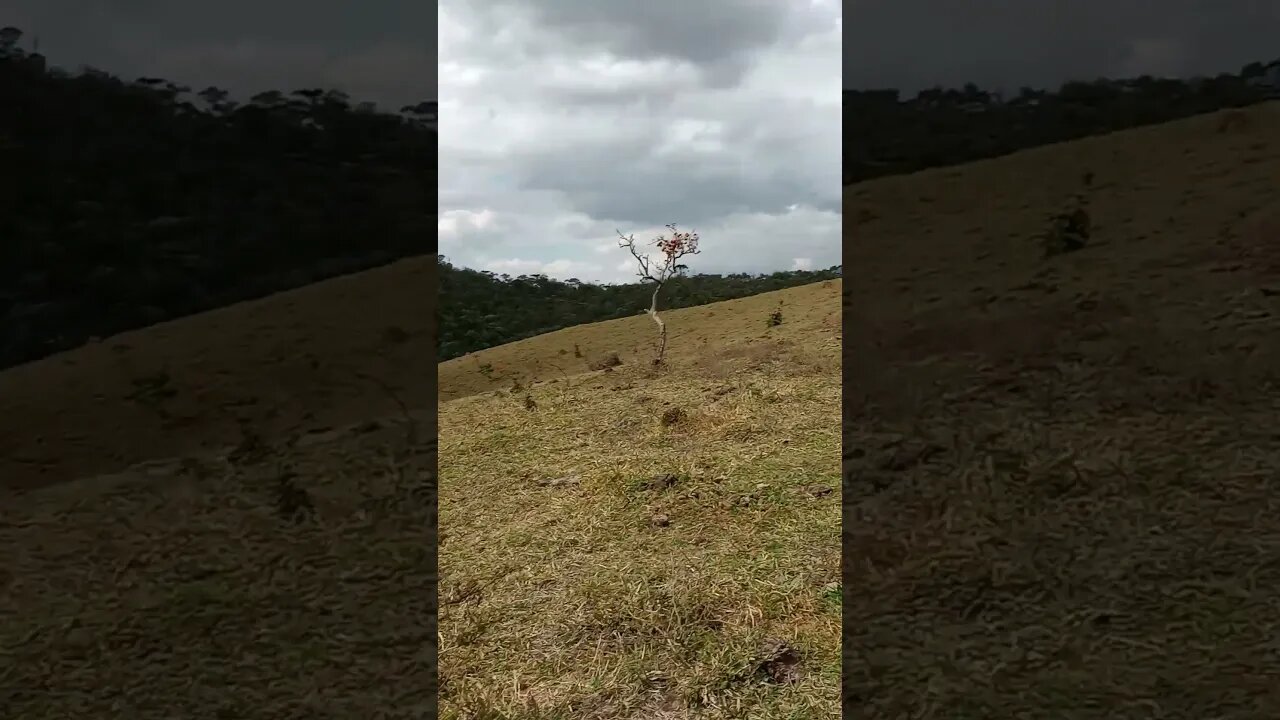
(563, 121)
(913, 44)
(378, 50)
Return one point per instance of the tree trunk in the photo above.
(662, 327)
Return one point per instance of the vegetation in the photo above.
(129, 203)
(636, 543)
(479, 309)
(1057, 469)
(889, 135)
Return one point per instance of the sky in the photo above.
(1003, 44)
(565, 122)
(382, 51)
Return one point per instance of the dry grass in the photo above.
(1059, 473)
(227, 516)
(625, 545)
(275, 582)
(281, 365)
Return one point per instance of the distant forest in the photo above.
(126, 203)
(886, 134)
(479, 309)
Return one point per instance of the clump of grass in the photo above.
(1069, 230)
(775, 318)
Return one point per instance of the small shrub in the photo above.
(1068, 232)
(775, 318)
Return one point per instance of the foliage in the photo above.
(130, 203)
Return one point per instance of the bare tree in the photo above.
(678, 245)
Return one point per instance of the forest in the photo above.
(127, 203)
(479, 309)
(887, 134)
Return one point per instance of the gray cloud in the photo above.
(561, 121)
(375, 50)
(913, 44)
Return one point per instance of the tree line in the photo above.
(886, 134)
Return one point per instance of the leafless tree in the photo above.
(658, 272)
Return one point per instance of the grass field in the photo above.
(227, 516)
(640, 544)
(1059, 494)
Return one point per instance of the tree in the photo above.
(679, 245)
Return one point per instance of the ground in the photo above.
(1059, 471)
(227, 516)
(635, 543)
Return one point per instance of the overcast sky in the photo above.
(1004, 44)
(562, 121)
(377, 50)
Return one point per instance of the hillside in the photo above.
(230, 515)
(131, 202)
(1058, 470)
(297, 360)
(480, 309)
(636, 543)
(693, 333)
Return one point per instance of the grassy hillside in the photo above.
(696, 332)
(231, 515)
(296, 360)
(480, 309)
(1059, 470)
(634, 543)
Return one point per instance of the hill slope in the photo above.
(808, 311)
(1062, 467)
(252, 536)
(288, 362)
(640, 544)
